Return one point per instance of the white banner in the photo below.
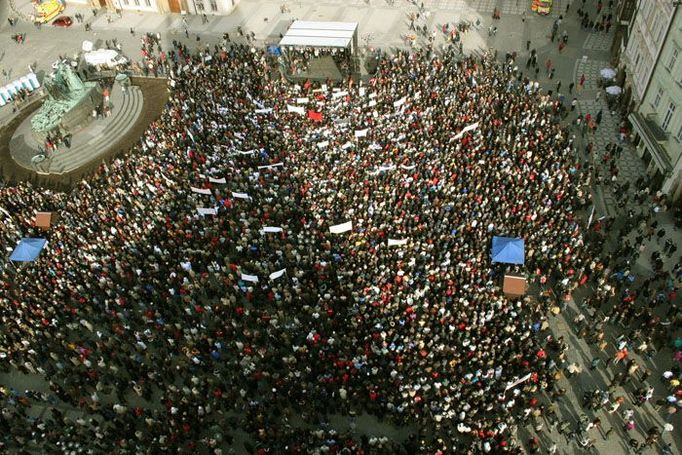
(272, 229)
(277, 274)
(589, 221)
(473, 126)
(264, 111)
(302, 100)
(190, 135)
(322, 145)
(392, 242)
(511, 385)
(297, 109)
(341, 228)
(251, 278)
(201, 190)
(248, 152)
(207, 211)
(270, 166)
(220, 180)
(400, 102)
(339, 94)
(404, 166)
(240, 195)
(361, 133)
(382, 169)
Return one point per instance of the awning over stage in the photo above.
(320, 34)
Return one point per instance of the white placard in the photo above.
(201, 190)
(511, 385)
(220, 180)
(240, 195)
(393, 242)
(272, 229)
(400, 102)
(297, 109)
(361, 133)
(207, 211)
(372, 103)
(347, 145)
(473, 126)
(322, 145)
(341, 228)
(302, 100)
(383, 169)
(362, 91)
(264, 111)
(270, 166)
(277, 274)
(251, 278)
(339, 94)
(186, 266)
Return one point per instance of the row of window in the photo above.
(147, 3)
(200, 5)
(213, 5)
(669, 113)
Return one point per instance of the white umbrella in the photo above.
(608, 73)
(614, 90)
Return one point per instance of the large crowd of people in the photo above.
(173, 329)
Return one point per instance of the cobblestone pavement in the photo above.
(590, 68)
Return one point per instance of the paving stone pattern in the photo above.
(590, 68)
(598, 41)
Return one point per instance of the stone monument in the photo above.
(69, 104)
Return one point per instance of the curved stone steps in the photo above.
(123, 119)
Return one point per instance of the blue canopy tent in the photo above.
(28, 250)
(509, 250)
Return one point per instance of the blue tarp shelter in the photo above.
(509, 250)
(28, 250)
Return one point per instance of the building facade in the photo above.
(208, 7)
(657, 123)
(646, 35)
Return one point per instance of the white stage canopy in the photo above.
(320, 34)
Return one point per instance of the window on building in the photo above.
(673, 59)
(656, 27)
(214, 6)
(668, 116)
(199, 5)
(137, 2)
(646, 11)
(679, 134)
(657, 98)
(148, 3)
(126, 2)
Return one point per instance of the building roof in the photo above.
(319, 34)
